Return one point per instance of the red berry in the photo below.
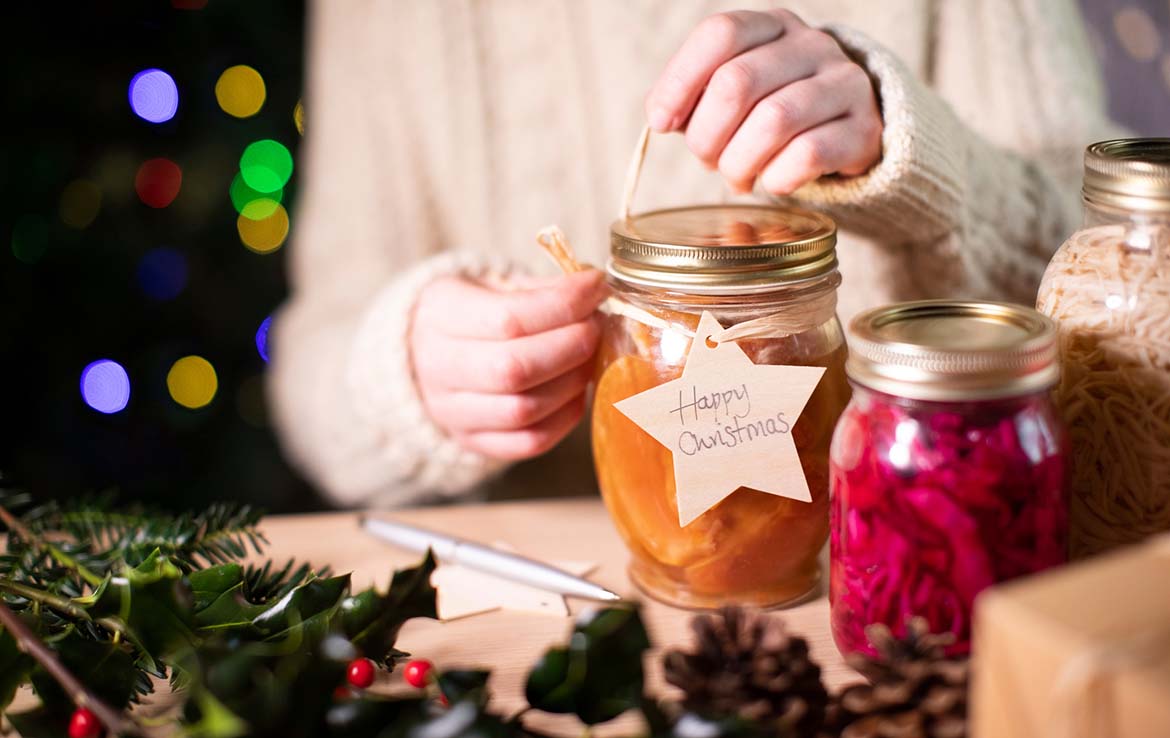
(360, 673)
(84, 724)
(418, 673)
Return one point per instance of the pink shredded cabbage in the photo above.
(934, 502)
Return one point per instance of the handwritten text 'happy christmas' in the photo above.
(728, 410)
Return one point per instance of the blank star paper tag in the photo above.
(727, 422)
(464, 592)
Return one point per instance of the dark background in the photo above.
(68, 67)
(71, 295)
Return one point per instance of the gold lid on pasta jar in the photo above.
(951, 350)
(722, 249)
(1129, 174)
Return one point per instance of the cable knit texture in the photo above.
(477, 122)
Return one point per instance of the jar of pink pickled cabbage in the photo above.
(947, 469)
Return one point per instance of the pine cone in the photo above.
(747, 665)
(916, 691)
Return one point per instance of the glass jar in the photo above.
(947, 468)
(1108, 289)
(771, 272)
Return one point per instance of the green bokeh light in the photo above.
(266, 165)
(251, 203)
(30, 239)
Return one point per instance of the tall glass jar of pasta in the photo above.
(1108, 289)
(769, 274)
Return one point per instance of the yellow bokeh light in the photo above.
(80, 203)
(265, 235)
(299, 117)
(192, 382)
(240, 91)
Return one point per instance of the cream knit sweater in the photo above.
(442, 134)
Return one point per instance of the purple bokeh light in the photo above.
(262, 338)
(154, 96)
(162, 273)
(105, 386)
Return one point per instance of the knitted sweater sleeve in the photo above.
(967, 216)
(340, 383)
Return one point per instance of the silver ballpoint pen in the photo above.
(505, 565)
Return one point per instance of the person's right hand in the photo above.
(504, 372)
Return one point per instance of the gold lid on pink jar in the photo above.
(953, 350)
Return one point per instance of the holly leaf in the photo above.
(154, 602)
(107, 669)
(207, 585)
(374, 630)
(460, 684)
(599, 675)
(360, 611)
(306, 609)
(221, 598)
(15, 666)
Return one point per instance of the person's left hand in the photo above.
(762, 95)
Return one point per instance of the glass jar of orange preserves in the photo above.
(768, 274)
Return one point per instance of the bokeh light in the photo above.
(80, 203)
(162, 273)
(265, 235)
(266, 165)
(188, 4)
(250, 203)
(262, 338)
(240, 91)
(154, 96)
(192, 382)
(299, 117)
(157, 182)
(105, 386)
(30, 239)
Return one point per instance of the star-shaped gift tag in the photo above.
(727, 422)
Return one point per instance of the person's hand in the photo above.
(504, 372)
(762, 95)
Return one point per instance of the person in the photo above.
(429, 350)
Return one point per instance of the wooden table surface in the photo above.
(508, 643)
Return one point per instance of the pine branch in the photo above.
(59, 604)
(112, 719)
(31, 539)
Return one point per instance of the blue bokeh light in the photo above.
(262, 338)
(162, 273)
(154, 96)
(105, 386)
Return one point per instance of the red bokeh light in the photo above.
(158, 182)
(189, 4)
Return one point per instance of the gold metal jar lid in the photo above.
(1129, 174)
(953, 350)
(722, 249)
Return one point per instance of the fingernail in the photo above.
(660, 120)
